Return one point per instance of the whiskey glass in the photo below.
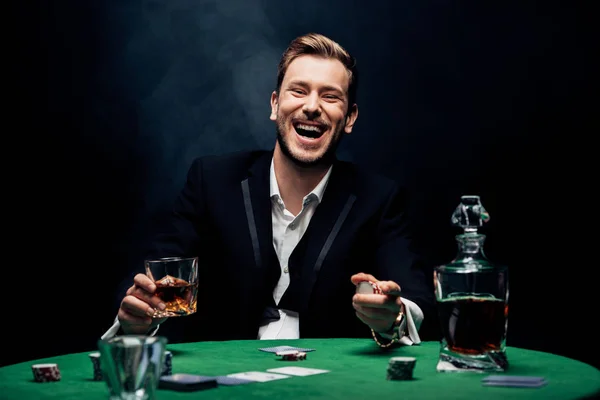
(131, 365)
(176, 280)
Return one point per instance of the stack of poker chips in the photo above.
(401, 368)
(167, 364)
(95, 358)
(291, 355)
(45, 372)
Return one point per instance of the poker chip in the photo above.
(45, 372)
(284, 348)
(167, 364)
(368, 287)
(97, 371)
(401, 368)
(291, 355)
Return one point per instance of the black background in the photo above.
(112, 101)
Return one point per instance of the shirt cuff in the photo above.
(116, 327)
(409, 327)
(413, 318)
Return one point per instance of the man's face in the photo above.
(311, 110)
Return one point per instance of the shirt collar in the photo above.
(317, 192)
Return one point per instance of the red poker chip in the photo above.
(368, 287)
(45, 372)
(297, 357)
(292, 355)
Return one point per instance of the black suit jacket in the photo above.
(223, 216)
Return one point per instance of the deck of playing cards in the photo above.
(187, 382)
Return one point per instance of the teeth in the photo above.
(309, 128)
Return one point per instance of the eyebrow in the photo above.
(327, 88)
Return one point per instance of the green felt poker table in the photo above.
(357, 371)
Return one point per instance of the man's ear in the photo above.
(274, 106)
(351, 118)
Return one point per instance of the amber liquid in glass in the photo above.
(473, 325)
(179, 296)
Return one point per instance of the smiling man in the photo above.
(312, 109)
(284, 237)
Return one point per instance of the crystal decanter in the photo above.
(472, 299)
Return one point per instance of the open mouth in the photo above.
(311, 131)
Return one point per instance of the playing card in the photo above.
(514, 381)
(298, 371)
(257, 376)
(278, 349)
(231, 381)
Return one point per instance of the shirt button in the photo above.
(285, 270)
(292, 226)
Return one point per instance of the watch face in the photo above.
(401, 326)
(399, 319)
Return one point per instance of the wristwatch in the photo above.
(385, 343)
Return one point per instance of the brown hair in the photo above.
(319, 45)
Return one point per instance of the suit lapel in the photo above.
(257, 205)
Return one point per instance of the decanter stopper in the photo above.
(470, 214)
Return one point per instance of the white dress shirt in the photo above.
(287, 232)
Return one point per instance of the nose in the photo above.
(311, 106)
